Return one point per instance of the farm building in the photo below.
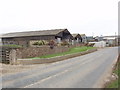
(24, 38)
(84, 38)
(77, 38)
(111, 40)
(98, 38)
(90, 39)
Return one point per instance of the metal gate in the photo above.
(5, 55)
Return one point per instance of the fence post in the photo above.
(13, 58)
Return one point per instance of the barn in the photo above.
(77, 38)
(24, 38)
(84, 38)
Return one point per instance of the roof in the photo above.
(89, 36)
(82, 35)
(75, 35)
(33, 33)
(112, 38)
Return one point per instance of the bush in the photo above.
(41, 42)
(51, 44)
(90, 44)
(86, 44)
(36, 43)
(64, 43)
(45, 42)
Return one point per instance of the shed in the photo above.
(23, 38)
(77, 38)
(84, 38)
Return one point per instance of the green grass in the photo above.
(71, 51)
(113, 84)
(116, 83)
(116, 71)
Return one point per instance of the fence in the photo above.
(8, 55)
(5, 55)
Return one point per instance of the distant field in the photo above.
(71, 51)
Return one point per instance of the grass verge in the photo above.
(115, 83)
(71, 51)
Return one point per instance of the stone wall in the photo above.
(50, 60)
(39, 51)
(28, 52)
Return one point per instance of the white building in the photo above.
(99, 44)
(84, 38)
(111, 40)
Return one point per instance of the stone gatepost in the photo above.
(13, 57)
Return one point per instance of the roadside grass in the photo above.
(71, 51)
(115, 83)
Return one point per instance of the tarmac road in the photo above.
(87, 71)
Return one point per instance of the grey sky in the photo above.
(92, 17)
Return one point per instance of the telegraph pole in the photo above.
(115, 39)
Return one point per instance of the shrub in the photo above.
(51, 44)
(45, 42)
(36, 43)
(86, 44)
(41, 42)
(64, 43)
(90, 44)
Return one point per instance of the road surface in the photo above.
(87, 71)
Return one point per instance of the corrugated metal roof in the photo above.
(82, 35)
(74, 35)
(33, 33)
(109, 38)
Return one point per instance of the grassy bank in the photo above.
(71, 51)
(115, 83)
